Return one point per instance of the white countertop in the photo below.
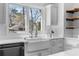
(72, 52)
(30, 40)
(6, 41)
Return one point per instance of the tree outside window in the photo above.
(35, 19)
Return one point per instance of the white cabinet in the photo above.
(57, 45)
(33, 46)
(44, 48)
(52, 14)
(46, 52)
(34, 54)
(42, 52)
(40, 48)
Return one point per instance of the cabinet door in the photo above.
(54, 15)
(57, 45)
(38, 45)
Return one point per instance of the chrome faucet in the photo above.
(36, 33)
(51, 33)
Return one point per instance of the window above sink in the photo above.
(35, 20)
(23, 18)
(16, 17)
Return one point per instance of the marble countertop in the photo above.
(7, 41)
(72, 52)
(30, 40)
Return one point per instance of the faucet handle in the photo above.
(24, 38)
(52, 31)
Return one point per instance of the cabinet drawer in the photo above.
(44, 52)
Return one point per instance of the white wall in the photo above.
(61, 20)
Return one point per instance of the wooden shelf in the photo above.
(73, 10)
(72, 18)
(70, 27)
(76, 9)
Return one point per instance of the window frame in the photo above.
(26, 20)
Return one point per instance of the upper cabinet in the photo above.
(52, 14)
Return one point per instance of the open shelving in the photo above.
(70, 27)
(73, 10)
(72, 18)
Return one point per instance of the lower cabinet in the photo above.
(46, 52)
(41, 48)
(43, 52)
(45, 48)
(57, 45)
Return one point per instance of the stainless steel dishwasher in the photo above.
(12, 49)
